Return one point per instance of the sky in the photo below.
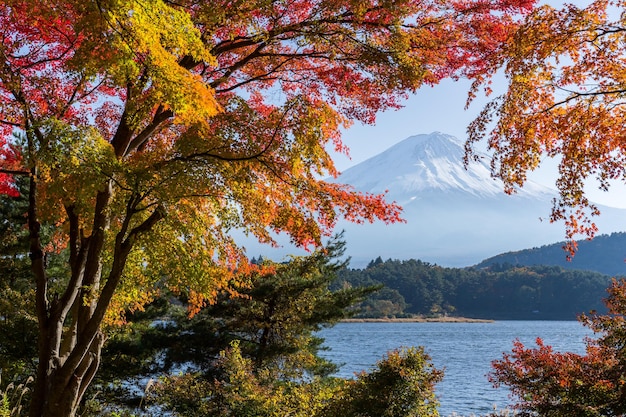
(439, 108)
(442, 108)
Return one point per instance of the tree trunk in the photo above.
(57, 396)
(70, 339)
(69, 350)
(70, 347)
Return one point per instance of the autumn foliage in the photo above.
(564, 100)
(549, 383)
(149, 130)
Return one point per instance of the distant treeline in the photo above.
(500, 291)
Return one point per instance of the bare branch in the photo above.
(6, 122)
(577, 94)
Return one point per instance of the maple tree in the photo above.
(550, 383)
(565, 73)
(150, 130)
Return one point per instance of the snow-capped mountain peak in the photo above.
(428, 163)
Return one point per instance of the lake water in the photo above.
(464, 350)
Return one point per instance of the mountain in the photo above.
(430, 165)
(605, 254)
(454, 216)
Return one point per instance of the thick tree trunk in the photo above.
(54, 395)
(70, 339)
(69, 350)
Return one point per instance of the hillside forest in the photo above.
(499, 291)
(603, 253)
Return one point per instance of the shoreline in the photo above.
(417, 320)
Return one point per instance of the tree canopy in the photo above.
(150, 130)
(550, 383)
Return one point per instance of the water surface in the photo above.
(464, 350)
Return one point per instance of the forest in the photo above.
(137, 136)
(498, 292)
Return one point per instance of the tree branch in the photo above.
(233, 158)
(239, 64)
(123, 134)
(20, 172)
(160, 116)
(91, 327)
(6, 122)
(577, 94)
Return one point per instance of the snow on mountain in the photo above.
(454, 216)
(429, 164)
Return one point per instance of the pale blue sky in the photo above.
(441, 108)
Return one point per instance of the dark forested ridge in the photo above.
(605, 254)
(500, 291)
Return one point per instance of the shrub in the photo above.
(555, 384)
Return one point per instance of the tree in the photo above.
(402, 385)
(565, 73)
(269, 332)
(9, 157)
(555, 384)
(386, 302)
(150, 130)
(273, 320)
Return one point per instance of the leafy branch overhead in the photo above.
(564, 100)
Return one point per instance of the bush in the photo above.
(402, 385)
(555, 384)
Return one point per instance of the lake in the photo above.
(464, 350)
